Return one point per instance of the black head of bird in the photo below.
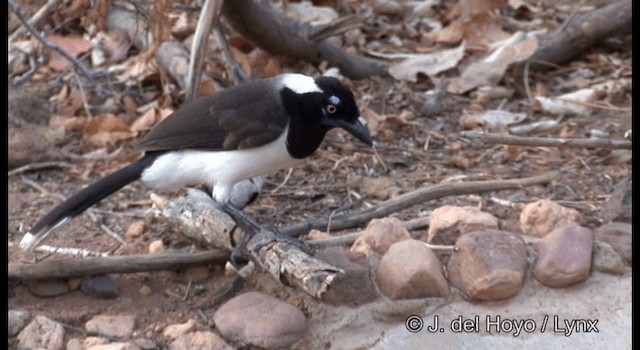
(239, 133)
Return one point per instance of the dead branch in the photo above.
(412, 198)
(546, 141)
(281, 35)
(66, 268)
(208, 18)
(36, 21)
(199, 218)
(581, 32)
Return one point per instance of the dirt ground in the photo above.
(412, 149)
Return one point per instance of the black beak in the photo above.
(356, 129)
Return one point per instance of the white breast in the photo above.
(219, 169)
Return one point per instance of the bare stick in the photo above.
(208, 18)
(37, 19)
(412, 198)
(66, 268)
(546, 141)
(38, 166)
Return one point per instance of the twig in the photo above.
(412, 198)
(208, 18)
(546, 141)
(38, 166)
(48, 44)
(36, 19)
(114, 264)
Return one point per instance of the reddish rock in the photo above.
(541, 217)
(199, 341)
(410, 270)
(175, 330)
(111, 326)
(564, 256)
(260, 320)
(449, 222)
(379, 235)
(488, 265)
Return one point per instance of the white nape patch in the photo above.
(299, 83)
(218, 169)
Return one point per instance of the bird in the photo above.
(245, 131)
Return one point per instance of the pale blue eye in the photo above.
(334, 100)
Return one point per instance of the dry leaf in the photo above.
(492, 119)
(73, 45)
(102, 131)
(491, 69)
(145, 121)
(428, 64)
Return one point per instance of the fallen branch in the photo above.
(66, 268)
(546, 141)
(281, 35)
(412, 198)
(581, 32)
(199, 218)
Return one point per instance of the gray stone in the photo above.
(111, 326)
(379, 235)
(410, 270)
(605, 259)
(41, 333)
(541, 217)
(16, 321)
(449, 222)
(618, 206)
(47, 288)
(619, 236)
(488, 265)
(355, 286)
(260, 320)
(199, 341)
(102, 287)
(564, 256)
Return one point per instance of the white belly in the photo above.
(220, 170)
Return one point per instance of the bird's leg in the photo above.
(251, 227)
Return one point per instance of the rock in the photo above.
(379, 235)
(199, 341)
(145, 291)
(41, 333)
(260, 320)
(564, 256)
(135, 230)
(114, 346)
(606, 260)
(541, 217)
(488, 264)
(16, 321)
(75, 344)
(102, 287)
(93, 341)
(618, 235)
(145, 344)
(317, 234)
(74, 283)
(111, 326)
(381, 188)
(47, 288)
(175, 330)
(618, 206)
(410, 270)
(449, 222)
(355, 286)
(157, 246)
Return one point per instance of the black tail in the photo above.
(92, 194)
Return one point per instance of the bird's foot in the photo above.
(250, 228)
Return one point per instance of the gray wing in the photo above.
(244, 116)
